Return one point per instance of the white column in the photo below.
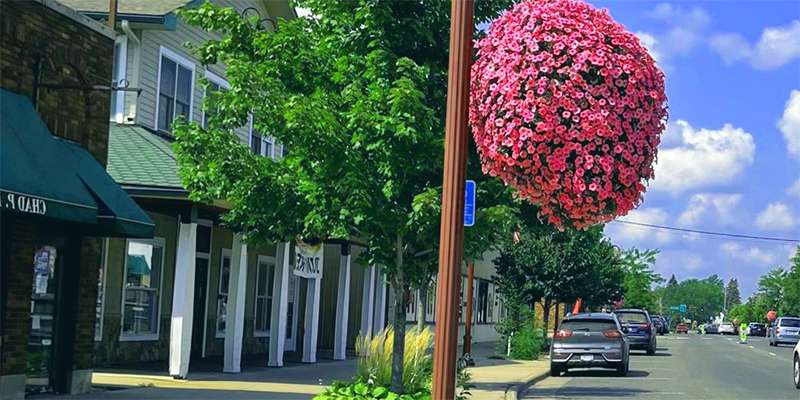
(280, 300)
(312, 316)
(379, 321)
(367, 301)
(342, 305)
(234, 323)
(180, 332)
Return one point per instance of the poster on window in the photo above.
(308, 261)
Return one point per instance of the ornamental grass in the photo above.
(375, 358)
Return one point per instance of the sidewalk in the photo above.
(492, 378)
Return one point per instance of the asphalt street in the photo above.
(685, 367)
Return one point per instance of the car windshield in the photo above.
(591, 325)
(791, 322)
(632, 317)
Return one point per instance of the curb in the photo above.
(513, 391)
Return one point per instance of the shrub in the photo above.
(375, 359)
(367, 390)
(528, 343)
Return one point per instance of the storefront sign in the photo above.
(24, 204)
(308, 263)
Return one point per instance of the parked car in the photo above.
(796, 365)
(784, 330)
(682, 328)
(638, 329)
(726, 328)
(712, 328)
(658, 324)
(756, 329)
(593, 340)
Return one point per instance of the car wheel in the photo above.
(555, 370)
(651, 350)
(622, 369)
(796, 371)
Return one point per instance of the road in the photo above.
(685, 367)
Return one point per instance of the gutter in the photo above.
(137, 57)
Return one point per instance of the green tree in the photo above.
(703, 298)
(791, 294)
(640, 278)
(356, 95)
(771, 287)
(732, 296)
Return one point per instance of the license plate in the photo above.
(587, 357)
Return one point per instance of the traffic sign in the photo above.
(469, 203)
(674, 308)
(683, 308)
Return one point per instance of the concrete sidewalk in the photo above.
(492, 378)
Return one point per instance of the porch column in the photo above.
(342, 305)
(280, 300)
(379, 321)
(180, 332)
(312, 317)
(367, 301)
(234, 324)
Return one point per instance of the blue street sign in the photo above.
(683, 308)
(469, 203)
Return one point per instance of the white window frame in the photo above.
(180, 60)
(98, 336)
(269, 296)
(156, 241)
(118, 113)
(264, 139)
(225, 253)
(219, 81)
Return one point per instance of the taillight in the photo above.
(645, 327)
(612, 333)
(777, 330)
(563, 333)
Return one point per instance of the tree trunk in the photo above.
(555, 324)
(546, 315)
(423, 298)
(399, 321)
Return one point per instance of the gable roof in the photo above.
(140, 157)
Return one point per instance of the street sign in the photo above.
(683, 308)
(674, 308)
(469, 203)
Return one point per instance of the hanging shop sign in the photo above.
(23, 203)
(308, 262)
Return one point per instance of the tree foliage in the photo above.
(703, 298)
(640, 278)
(732, 295)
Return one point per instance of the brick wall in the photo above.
(16, 319)
(91, 259)
(69, 53)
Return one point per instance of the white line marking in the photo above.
(772, 354)
(751, 347)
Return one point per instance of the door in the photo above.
(46, 264)
(291, 313)
(200, 304)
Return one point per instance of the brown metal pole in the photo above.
(468, 321)
(451, 244)
(112, 14)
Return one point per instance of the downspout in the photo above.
(134, 74)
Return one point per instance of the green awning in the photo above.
(45, 176)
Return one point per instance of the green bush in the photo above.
(367, 390)
(527, 343)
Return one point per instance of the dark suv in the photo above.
(638, 329)
(593, 340)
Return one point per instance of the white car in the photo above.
(726, 328)
(796, 364)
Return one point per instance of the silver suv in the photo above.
(784, 330)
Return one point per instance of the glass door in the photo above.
(43, 306)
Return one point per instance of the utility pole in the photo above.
(451, 243)
(467, 351)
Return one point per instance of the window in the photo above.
(430, 307)
(482, 301)
(264, 281)
(118, 71)
(175, 84)
(141, 290)
(260, 144)
(222, 293)
(101, 285)
(215, 84)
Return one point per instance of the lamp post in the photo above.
(451, 244)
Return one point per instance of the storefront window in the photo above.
(222, 294)
(143, 267)
(264, 281)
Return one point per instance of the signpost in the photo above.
(682, 308)
(469, 203)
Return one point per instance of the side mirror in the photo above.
(624, 329)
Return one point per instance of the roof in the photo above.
(140, 7)
(140, 157)
(590, 316)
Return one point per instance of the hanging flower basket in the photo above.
(568, 108)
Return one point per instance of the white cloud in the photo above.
(776, 217)
(750, 255)
(790, 123)
(700, 205)
(776, 47)
(683, 30)
(651, 44)
(704, 158)
(637, 234)
(794, 190)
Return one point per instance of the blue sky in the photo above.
(730, 159)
